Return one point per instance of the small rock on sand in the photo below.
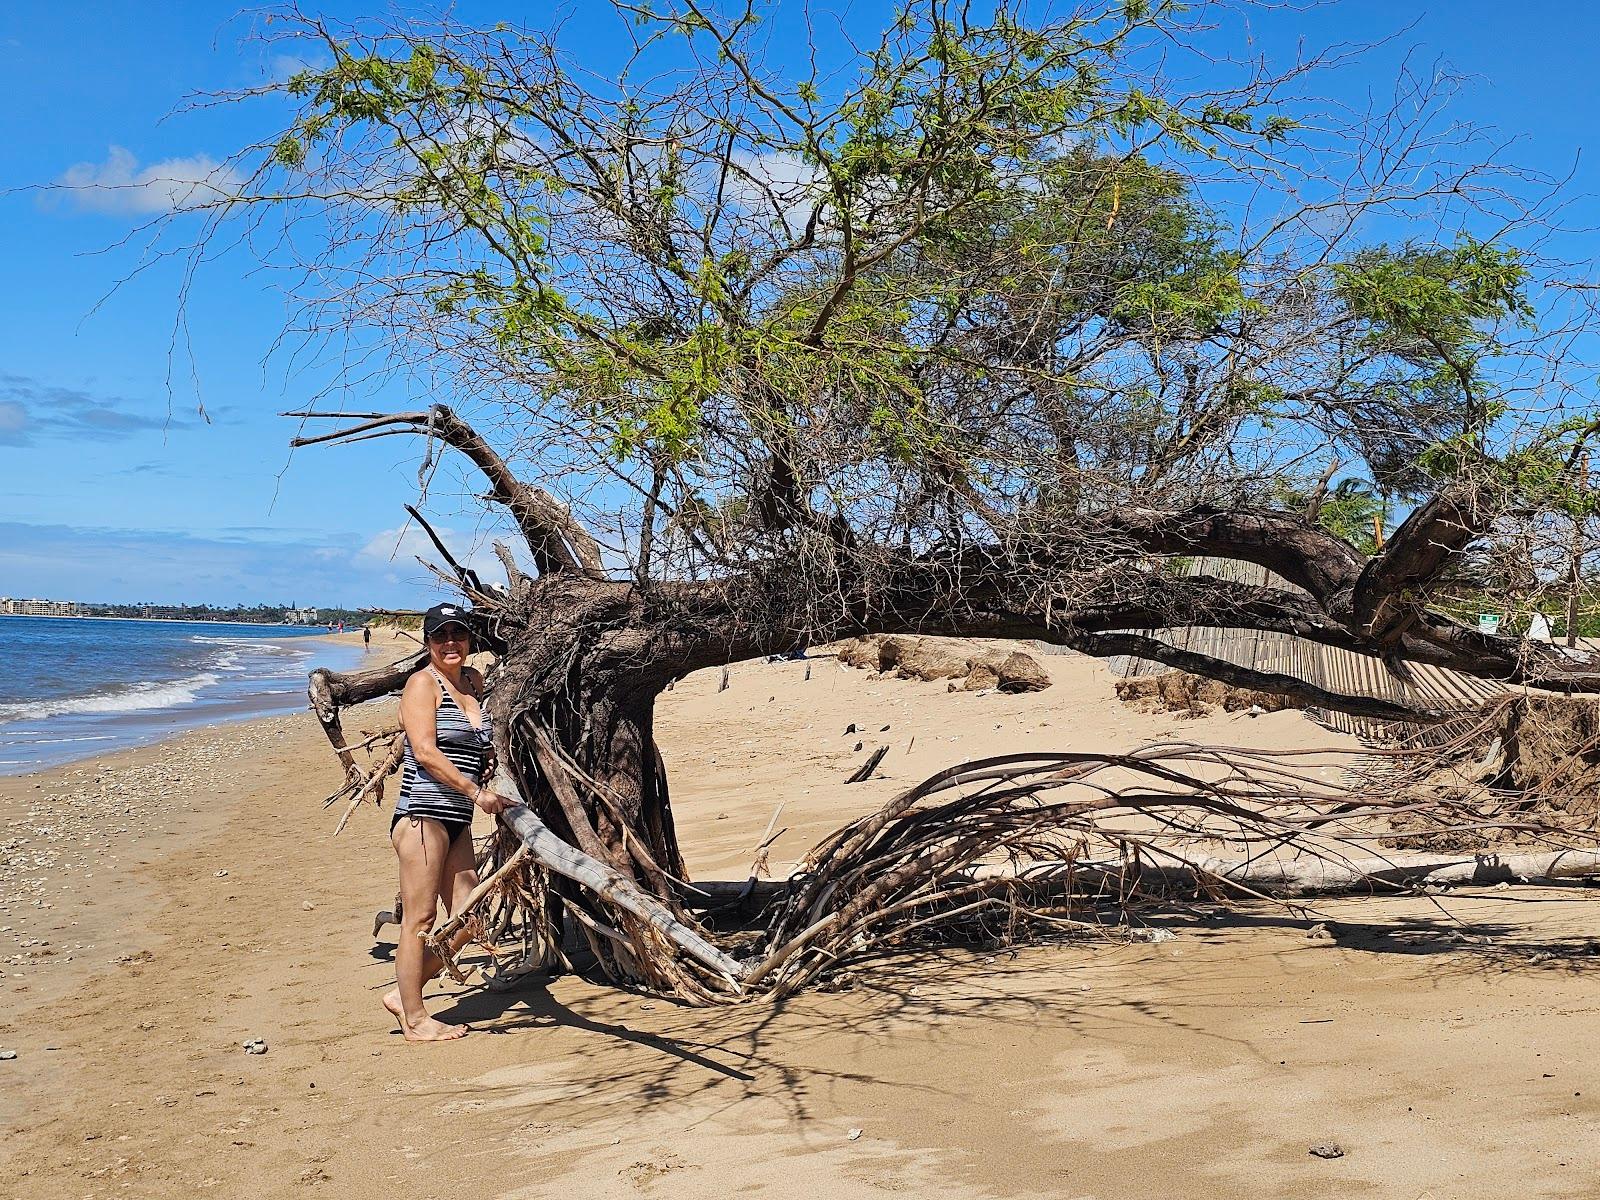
(1327, 1150)
(7, 1055)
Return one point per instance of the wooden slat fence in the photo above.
(1324, 666)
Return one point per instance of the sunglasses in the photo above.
(450, 633)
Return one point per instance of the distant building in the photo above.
(300, 616)
(38, 608)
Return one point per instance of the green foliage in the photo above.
(1432, 305)
(979, 261)
(1547, 473)
(1349, 509)
(1427, 324)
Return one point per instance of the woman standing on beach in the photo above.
(448, 749)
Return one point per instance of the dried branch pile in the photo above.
(1029, 847)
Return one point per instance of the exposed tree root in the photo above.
(1024, 847)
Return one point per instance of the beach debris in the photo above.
(307, 906)
(885, 729)
(386, 916)
(983, 666)
(851, 728)
(854, 1135)
(1327, 1150)
(1319, 933)
(723, 686)
(864, 772)
(7, 1055)
(1156, 935)
(256, 1046)
(856, 749)
(222, 874)
(1194, 696)
(983, 677)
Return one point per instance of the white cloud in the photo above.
(778, 182)
(404, 544)
(284, 67)
(13, 420)
(121, 185)
(400, 544)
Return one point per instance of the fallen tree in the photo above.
(946, 338)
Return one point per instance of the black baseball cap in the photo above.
(440, 615)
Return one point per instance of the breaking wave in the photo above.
(135, 697)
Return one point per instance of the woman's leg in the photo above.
(460, 877)
(424, 852)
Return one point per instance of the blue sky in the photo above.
(113, 487)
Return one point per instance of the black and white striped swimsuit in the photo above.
(467, 748)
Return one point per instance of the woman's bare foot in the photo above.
(425, 1030)
(429, 1030)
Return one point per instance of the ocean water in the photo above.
(79, 686)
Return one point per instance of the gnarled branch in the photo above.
(555, 537)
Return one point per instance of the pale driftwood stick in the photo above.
(1316, 875)
(387, 766)
(1284, 877)
(1309, 876)
(606, 883)
(766, 835)
(485, 886)
(375, 737)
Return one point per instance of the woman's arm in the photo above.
(419, 708)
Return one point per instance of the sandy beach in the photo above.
(161, 906)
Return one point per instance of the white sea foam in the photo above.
(98, 737)
(136, 698)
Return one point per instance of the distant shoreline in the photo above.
(163, 621)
